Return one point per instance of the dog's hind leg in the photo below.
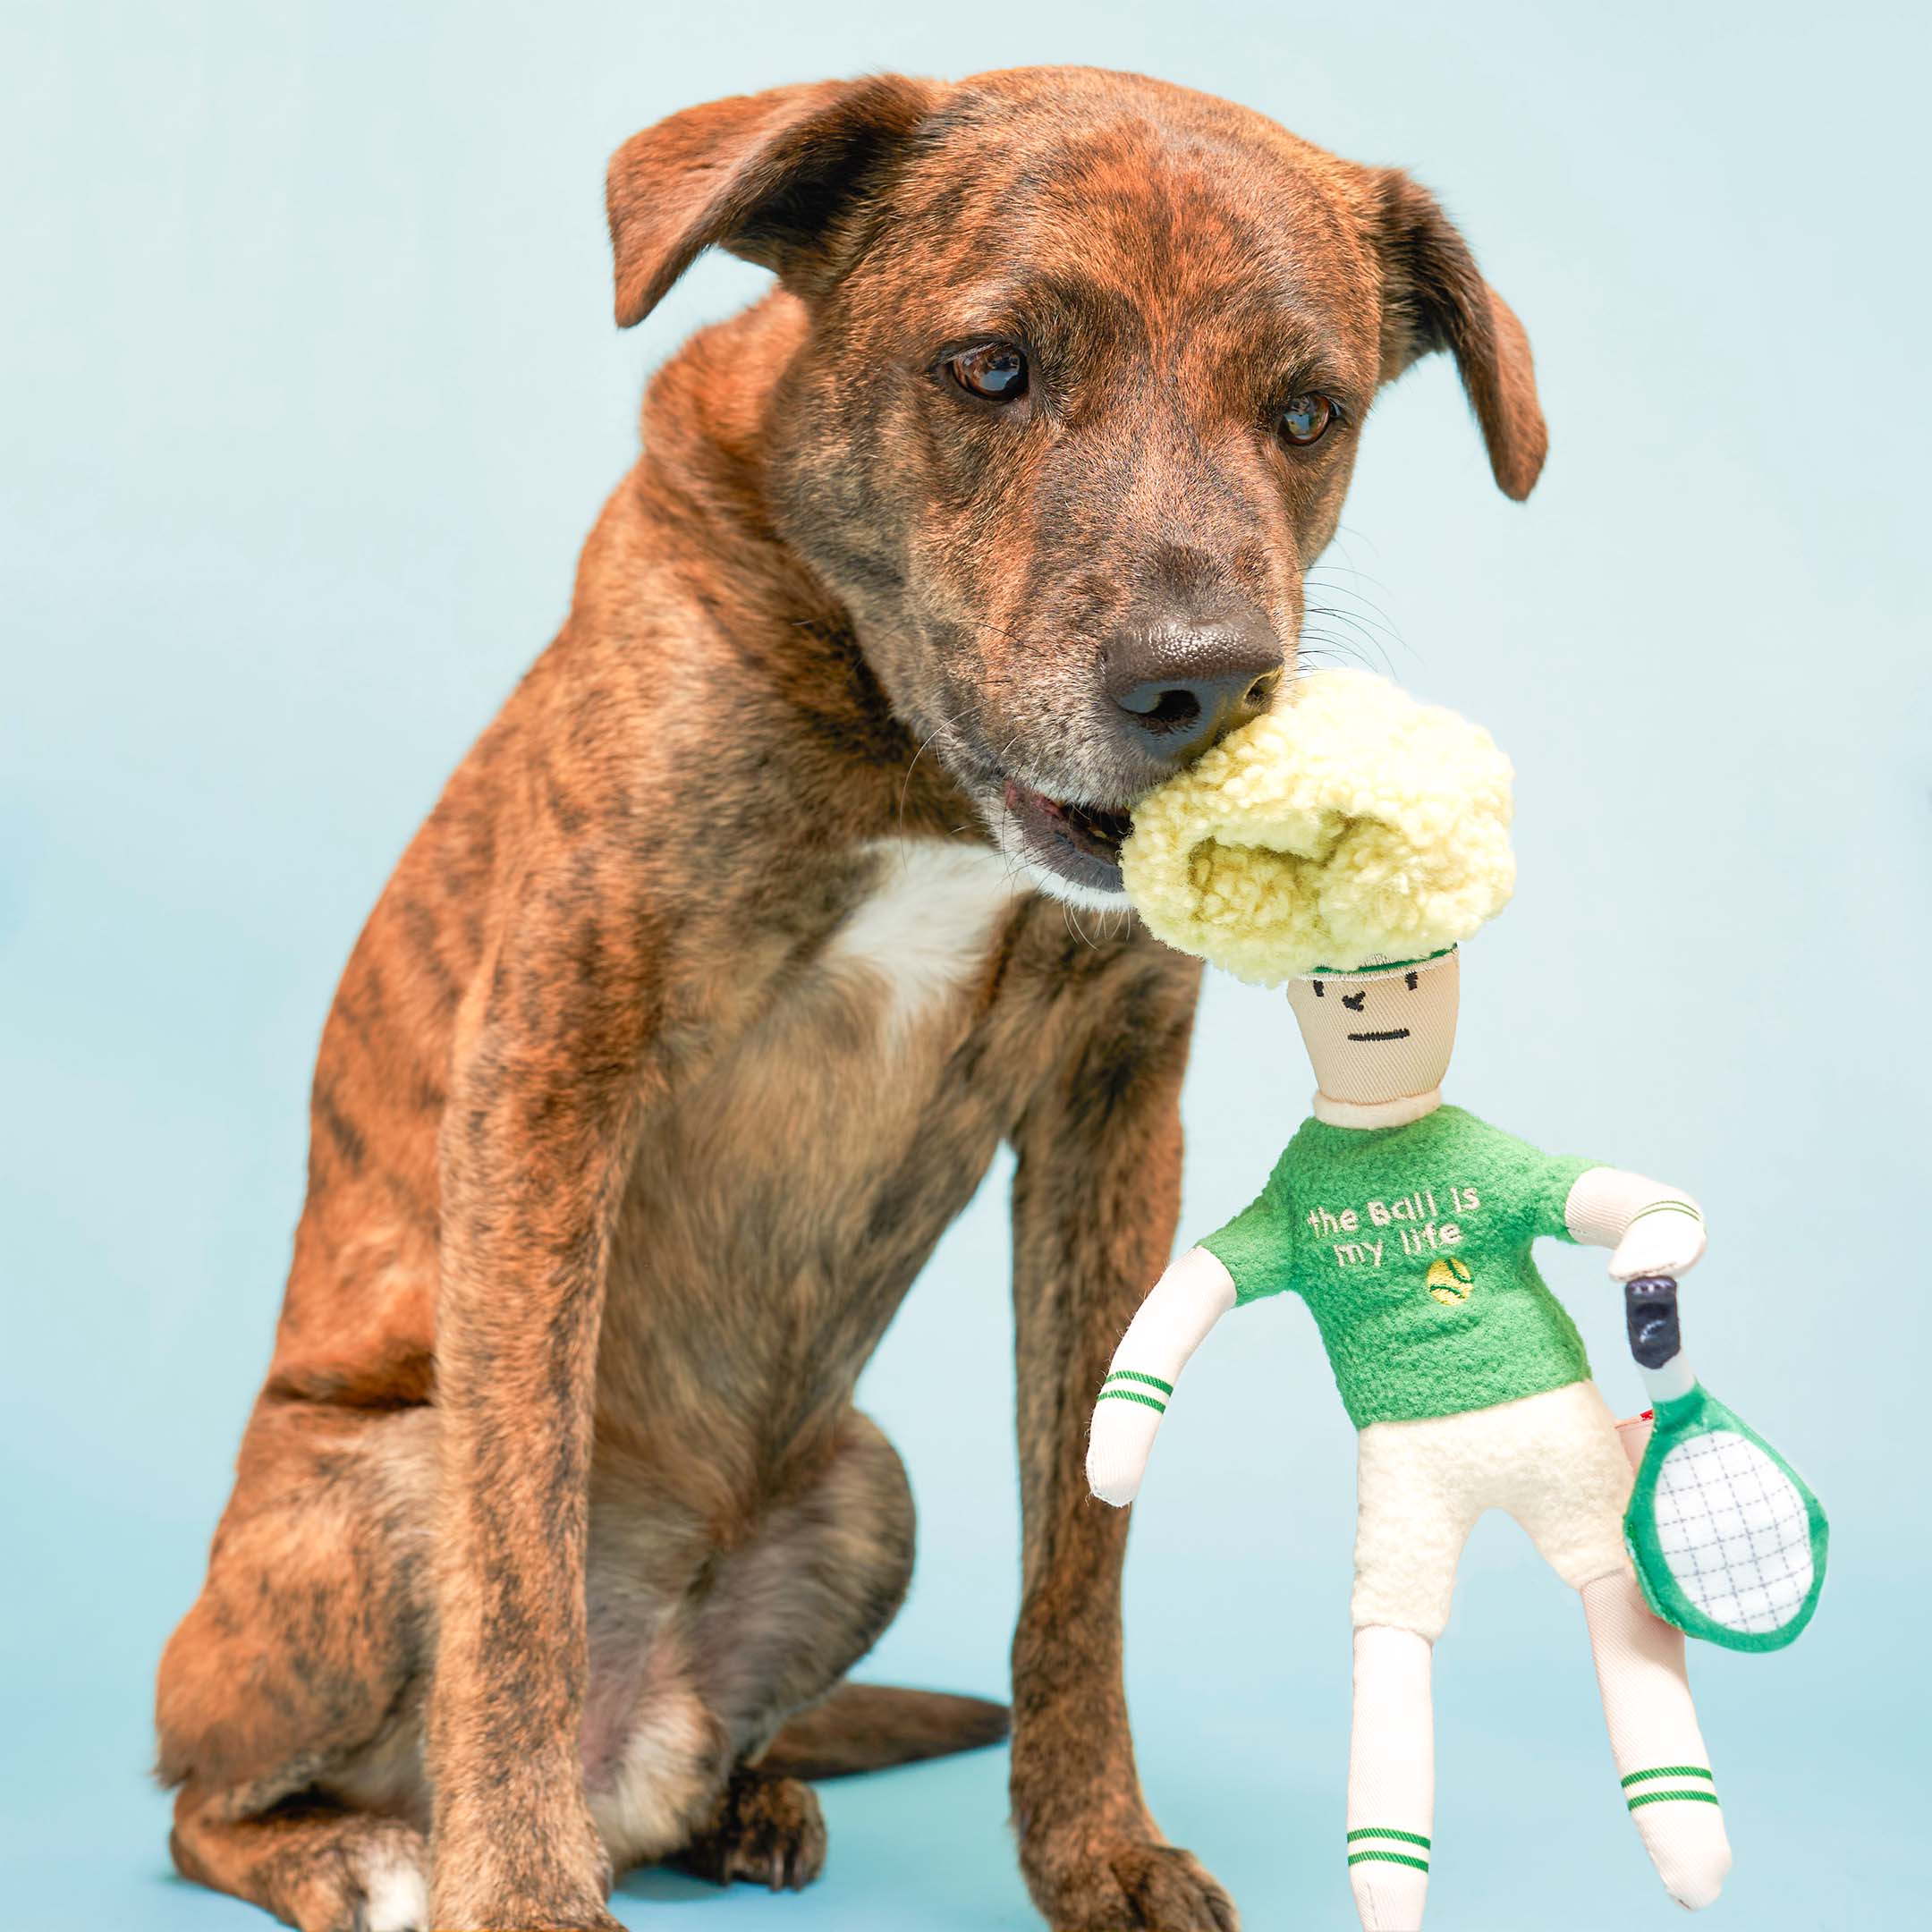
(767, 1625)
(790, 1615)
(315, 1866)
(711, 1775)
(787, 1614)
(784, 1618)
(766, 1827)
(299, 1667)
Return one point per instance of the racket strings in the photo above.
(1734, 1530)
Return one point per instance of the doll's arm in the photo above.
(1651, 1229)
(1194, 1293)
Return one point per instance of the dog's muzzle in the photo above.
(1079, 843)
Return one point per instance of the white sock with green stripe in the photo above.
(1650, 1227)
(1662, 1765)
(1391, 1779)
(1132, 1385)
(1126, 1416)
(1180, 1309)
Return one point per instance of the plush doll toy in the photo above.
(1346, 844)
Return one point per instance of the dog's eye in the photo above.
(1305, 419)
(996, 371)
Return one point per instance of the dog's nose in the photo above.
(1178, 684)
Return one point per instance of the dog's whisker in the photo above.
(1353, 621)
(1367, 602)
(1355, 647)
(905, 785)
(1378, 636)
(1337, 573)
(1349, 532)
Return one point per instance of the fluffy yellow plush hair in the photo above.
(1348, 823)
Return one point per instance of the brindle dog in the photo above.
(730, 955)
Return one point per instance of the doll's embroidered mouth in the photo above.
(1081, 843)
(1400, 1033)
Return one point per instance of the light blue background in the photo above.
(311, 393)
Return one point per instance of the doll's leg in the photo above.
(1415, 1507)
(1574, 1481)
(1391, 1779)
(1653, 1737)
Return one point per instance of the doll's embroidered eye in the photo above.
(1409, 980)
(1319, 988)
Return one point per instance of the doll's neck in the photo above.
(1366, 1114)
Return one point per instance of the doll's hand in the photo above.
(1667, 1241)
(1117, 1449)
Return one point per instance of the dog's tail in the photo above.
(866, 1727)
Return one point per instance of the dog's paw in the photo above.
(1136, 1886)
(396, 1894)
(766, 1831)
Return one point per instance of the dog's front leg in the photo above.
(536, 1142)
(1095, 1201)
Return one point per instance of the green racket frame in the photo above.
(1652, 1311)
(1700, 1413)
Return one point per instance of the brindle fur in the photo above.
(554, 1506)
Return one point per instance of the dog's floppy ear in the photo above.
(1434, 298)
(774, 177)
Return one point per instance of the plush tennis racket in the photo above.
(1728, 1542)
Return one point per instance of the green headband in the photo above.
(1376, 969)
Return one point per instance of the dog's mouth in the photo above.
(1080, 843)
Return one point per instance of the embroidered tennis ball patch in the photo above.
(1449, 1281)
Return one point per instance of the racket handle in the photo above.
(1650, 1313)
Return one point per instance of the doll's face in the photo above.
(1382, 1038)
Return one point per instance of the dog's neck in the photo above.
(779, 634)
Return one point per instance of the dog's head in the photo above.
(1086, 362)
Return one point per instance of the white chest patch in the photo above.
(923, 930)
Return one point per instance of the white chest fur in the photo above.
(923, 930)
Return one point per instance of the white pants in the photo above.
(1551, 1461)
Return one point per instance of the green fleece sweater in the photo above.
(1410, 1246)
